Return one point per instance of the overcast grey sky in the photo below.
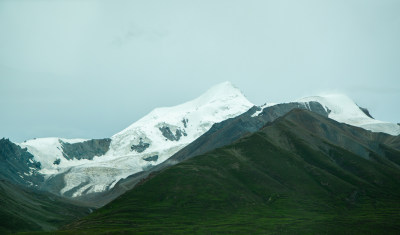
(88, 69)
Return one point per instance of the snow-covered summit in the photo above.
(182, 123)
(343, 109)
(218, 96)
(164, 131)
(147, 142)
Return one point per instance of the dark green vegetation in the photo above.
(23, 209)
(301, 174)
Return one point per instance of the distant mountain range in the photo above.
(266, 158)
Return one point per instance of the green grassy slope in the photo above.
(284, 179)
(22, 209)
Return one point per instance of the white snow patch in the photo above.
(262, 107)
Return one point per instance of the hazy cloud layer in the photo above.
(90, 68)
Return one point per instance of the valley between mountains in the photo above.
(216, 164)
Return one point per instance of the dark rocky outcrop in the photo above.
(185, 122)
(271, 113)
(17, 165)
(151, 158)
(57, 161)
(142, 146)
(167, 133)
(85, 150)
(366, 111)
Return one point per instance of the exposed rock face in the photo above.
(151, 158)
(85, 150)
(185, 122)
(167, 133)
(273, 112)
(18, 165)
(140, 147)
(57, 161)
(366, 111)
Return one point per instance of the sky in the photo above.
(88, 69)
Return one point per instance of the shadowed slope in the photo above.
(23, 209)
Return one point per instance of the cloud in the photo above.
(377, 89)
(134, 32)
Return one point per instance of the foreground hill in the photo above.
(23, 209)
(302, 173)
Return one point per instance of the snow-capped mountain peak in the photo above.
(147, 142)
(223, 95)
(180, 124)
(224, 91)
(343, 109)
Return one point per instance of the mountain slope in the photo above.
(23, 209)
(289, 177)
